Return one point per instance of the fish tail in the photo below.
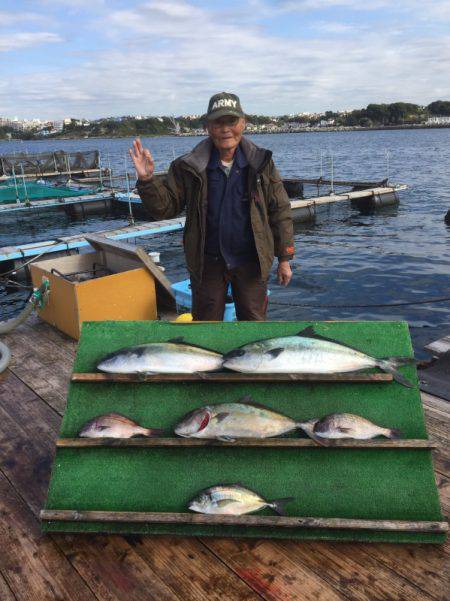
(278, 505)
(154, 432)
(391, 365)
(395, 433)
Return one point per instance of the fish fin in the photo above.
(225, 502)
(344, 430)
(395, 434)
(275, 352)
(390, 366)
(181, 340)
(101, 428)
(237, 352)
(308, 331)
(324, 442)
(246, 399)
(400, 361)
(221, 416)
(226, 439)
(278, 505)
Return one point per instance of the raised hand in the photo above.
(143, 161)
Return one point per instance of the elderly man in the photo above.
(238, 214)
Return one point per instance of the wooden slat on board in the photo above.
(229, 377)
(73, 515)
(86, 443)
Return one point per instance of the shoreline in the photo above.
(303, 130)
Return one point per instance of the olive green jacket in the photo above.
(186, 188)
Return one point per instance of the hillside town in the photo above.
(374, 116)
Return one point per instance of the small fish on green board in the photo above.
(233, 499)
(115, 425)
(227, 421)
(308, 352)
(175, 356)
(337, 426)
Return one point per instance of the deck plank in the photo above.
(42, 364)
(113, 569)
(34, 568)
(353, 571)
(27, 433)
(191, 569)
(6, 593)
(272, 572)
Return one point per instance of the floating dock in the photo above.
(75, 243)
(51, 203)
(302, 209)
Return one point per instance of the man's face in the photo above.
(226, 132)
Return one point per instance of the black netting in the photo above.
(48, 162)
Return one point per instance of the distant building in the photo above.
(438, 120)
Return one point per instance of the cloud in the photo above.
(15, 41)
(10, 18)
(169, 57)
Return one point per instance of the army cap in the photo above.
(222, 105)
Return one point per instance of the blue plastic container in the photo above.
(183, 299)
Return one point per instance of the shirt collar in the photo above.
(239, 158)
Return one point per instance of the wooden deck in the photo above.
(65, 567)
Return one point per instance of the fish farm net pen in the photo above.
(401, 304)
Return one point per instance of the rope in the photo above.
(37, 299)
(401, 304)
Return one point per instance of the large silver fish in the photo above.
(307, 352)
(175, 357)
(115, 425)
(233, 499)
(227, 421)
(345, 426)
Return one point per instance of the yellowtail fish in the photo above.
(345, 426)
(175, 357)
(233, 499)
(308, 352)
(115, 425)
(227, 421)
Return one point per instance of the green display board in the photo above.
(391, 484)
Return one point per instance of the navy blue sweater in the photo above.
(229, 232)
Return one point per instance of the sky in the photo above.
(98, 58)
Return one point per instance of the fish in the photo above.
(345, 426)
(115, 425)
(308, 352)
(233, 499)
(175, 356)
(227, 421)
